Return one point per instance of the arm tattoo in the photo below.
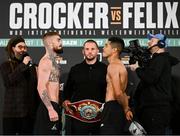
(45, 98)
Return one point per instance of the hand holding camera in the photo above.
(137, 54)
(133, 67)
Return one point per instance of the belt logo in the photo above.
(85, 110)
(88, 110)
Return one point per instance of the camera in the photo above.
(137, 53)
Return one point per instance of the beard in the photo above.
(58, 51)
(89, 58)
(20, 56)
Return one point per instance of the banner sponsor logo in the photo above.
(92, 19)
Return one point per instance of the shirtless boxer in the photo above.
(116, 107)
(48, 116)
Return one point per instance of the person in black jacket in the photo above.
(153, 95)
(86, 81)
(20, 82)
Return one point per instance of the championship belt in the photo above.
(85, 110)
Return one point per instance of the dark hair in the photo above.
(12, 43)
(92, 41)
(117, 42)
(51, 34)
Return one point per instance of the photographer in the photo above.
(153, 94)
(20, 82)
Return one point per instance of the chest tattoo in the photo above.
(55, 73)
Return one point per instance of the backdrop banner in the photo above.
(76, 20)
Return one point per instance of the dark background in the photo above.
(74, 56)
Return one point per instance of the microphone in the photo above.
(30, 63)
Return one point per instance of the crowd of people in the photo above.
(95, 98)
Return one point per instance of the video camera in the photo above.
(137, 53)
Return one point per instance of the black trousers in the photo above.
(155, 120)
(113, 119)
(21, 126)
(43, 125)
(76, 127)
(175, 122)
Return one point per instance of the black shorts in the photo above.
(43, 125)
(113, 119)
